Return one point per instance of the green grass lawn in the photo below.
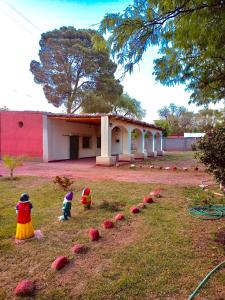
(161, 253)
(176, 158)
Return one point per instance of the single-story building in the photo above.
(55, 136)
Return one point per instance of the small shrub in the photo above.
(63, 182)
(210, 151)
(12, 162)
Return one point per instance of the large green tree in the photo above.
(71, 69)
(122, 105)
(190, 35)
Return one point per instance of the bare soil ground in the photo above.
(86, 168)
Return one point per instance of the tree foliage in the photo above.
(210, 151)
(190, 35)
(177, 119)
(71, 68)
(122, 105)
(4, 108)
(12, 162)
(165, 125)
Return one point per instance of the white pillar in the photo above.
(153, 142)
(105, 137)
(159, 144)
(105, 159)
(142, 141)
(127, 141)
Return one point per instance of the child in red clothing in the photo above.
(86, 198)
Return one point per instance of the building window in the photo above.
(98, 142)
(20, 124)
(86, 142)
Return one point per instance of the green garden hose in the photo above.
(208, 212)
(203, 282)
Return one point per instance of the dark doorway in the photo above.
(74, 147)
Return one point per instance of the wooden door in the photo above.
(74, 147)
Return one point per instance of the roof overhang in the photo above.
(96, 119)
(77, 118)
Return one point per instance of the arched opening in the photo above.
(136, 141)
(119, 140)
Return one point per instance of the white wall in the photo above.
(59, 143)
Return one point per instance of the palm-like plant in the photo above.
(12, 162)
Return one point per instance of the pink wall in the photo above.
(0, 135)
(25, 140)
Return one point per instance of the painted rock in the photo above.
(148, 199)
(25, 288)
(141, 205)
(160, 167)
(174, 168)
(167, 168)
(94, 234)
(60, 263)
(185, 169)
(134, 210)
(107, 224)
(119, 217)
(78, 248)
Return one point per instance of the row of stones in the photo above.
(27, 287)
(174, 168)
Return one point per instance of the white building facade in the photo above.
(107, 137)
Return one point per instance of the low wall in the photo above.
(178, 144)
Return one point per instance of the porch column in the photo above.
(105, 159)
(161, 142)
(128, 150)
(105, 137)
(151, 150)
(153, 144)
(142, 141)
(160, 152)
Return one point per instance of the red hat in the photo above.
(86, 191)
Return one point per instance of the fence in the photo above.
(178, 143)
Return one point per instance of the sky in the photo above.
(21, 25)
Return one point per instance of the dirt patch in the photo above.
(95, 261)
(86, 169)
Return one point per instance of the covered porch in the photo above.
(125, 139)
(108, 138)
